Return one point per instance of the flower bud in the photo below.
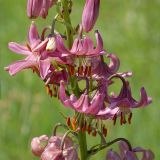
(33, 8)
(90, 14)
(37, 8)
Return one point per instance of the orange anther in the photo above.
(68, 121)
(86, 71)
(114, 119)
(94, 133)
(130, 118)
(121, 119)
(71, 70)
(84, 127)
(89, 129)
(80, 70)
(54, 91)
(74, 123)
(105, 131)
(89, 71)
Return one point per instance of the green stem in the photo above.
(67, 20)
(69, 33)
(74, 84)
(82, 143)
(94, 151)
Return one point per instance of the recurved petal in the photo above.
(114, 63)
(145, 100)
(111, 155)
(61, 47)
(33, 33)
(129, 155)
(123, 148)
(82, 48)
(96, 104)
(18, 66)
(148, 155)
(74, 48)
(83, 100)
(99, 46)
(107, 113)
(65, 99)
(90, 43)
(20, 49)
(44, 66)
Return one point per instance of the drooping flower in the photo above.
(82, 47)
(53, 149)
(90, 14)
(124, 102)
(127, 154)
(37, 8)
(83, 104)
(36, 145)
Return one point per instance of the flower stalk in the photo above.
(69, 33)
(82, 141)
(67, 21)
(101, 147)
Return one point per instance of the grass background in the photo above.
(129, 28)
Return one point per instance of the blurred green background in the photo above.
(130, 29)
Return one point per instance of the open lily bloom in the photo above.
(127, 154)
(83, 47)
(33, 58)
(52, 149)
(40, 54)
(83, 104)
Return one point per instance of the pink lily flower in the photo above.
(125, 99)
(41, 56)
(36, 147)
(83, 104)
(90, 14)
(82, 46)
(37, 8)
(124, 102)
(33, 58)
(125, 153)
(52, 150)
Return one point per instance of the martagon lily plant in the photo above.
(63, 61)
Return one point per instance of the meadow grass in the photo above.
(129, 28)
